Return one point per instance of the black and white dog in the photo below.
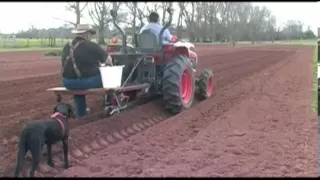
(49, 131)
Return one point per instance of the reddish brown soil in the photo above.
(19, 65)
(258, 123)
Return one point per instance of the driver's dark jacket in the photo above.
(87, 56)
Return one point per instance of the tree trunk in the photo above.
(192, 37)
(134, 23)
(252, 38)
(101, 36)
(78, 13)
(212, 31)
(179, 24)
(205, 27)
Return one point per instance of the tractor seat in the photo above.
(147, 41)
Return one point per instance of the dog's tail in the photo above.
(22, 150)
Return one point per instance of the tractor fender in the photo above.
(187, 48)
(182, 50)
(193, 56)
(184, 44)
(130, 45)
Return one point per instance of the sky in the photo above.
(17, 16)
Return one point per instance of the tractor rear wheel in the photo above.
(178, 85)
(205, 84)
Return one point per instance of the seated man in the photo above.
(81, 60)
(155, 27)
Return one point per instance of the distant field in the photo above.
(299, 42)
(43, 44)
(30, 43)
(315, 80)
(294, 42)
(33, 43)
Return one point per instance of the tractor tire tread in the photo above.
(202, 83)
(171, 83)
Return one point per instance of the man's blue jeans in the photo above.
(82, 83)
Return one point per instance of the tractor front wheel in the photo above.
(178, 85)
(205, 84)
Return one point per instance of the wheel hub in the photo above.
(186, 86)
(209, 86)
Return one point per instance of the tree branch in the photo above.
(69, 22)
(84, 7)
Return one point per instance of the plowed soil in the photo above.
(258, 123)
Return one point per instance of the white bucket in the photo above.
(111, 76)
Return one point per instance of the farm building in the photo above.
(7, 40)
(4, 37)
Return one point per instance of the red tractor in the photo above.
(169, 69)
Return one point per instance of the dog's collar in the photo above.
(56, 116)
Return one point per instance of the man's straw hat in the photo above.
(82, 28)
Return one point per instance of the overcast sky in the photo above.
(21, 15)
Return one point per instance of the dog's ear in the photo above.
(70, 111)
(55, 109)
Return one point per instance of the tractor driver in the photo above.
(81, 60)
(155, 27)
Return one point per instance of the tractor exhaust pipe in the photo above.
(114, 14)
(169, 10)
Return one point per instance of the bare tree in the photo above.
(100, 17)
(141, 9)
(212, 13)
(133, 11)
(180, 19)
(134, 22)
(137, 10)
(201, 21)
(189, 18)
(164, 6)
(243, 12)
(257, 16)
(232, 9)
(77, 10)
(300, 29)
(272, 30)
(223, 9)
(152, 7)
(122, 15)
(293, 29)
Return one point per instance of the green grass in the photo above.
(43, 44)
(33, 44)
(290, 42)
(315, 80)
(299, 42)
(30, 49)
(30, 43)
